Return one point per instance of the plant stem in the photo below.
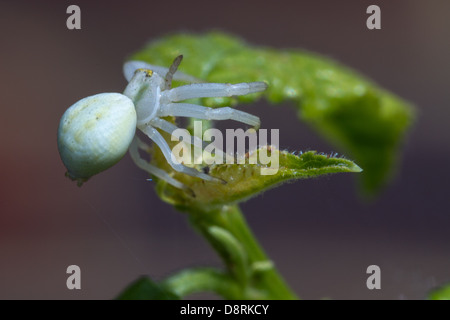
(263, 282)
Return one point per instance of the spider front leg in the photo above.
(201, 112)
(157, 138)
(203, 90)
(211, 90)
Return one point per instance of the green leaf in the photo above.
(356, 115)
(246, 180)
(442, 293)
(145, 289)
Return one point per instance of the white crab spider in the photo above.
(96, 132)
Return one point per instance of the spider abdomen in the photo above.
(95, 133)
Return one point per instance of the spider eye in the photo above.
(147, 72)
(95, 133)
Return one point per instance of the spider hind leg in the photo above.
(157, 138)
(137, 144)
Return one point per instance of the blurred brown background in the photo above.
(320, 234)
